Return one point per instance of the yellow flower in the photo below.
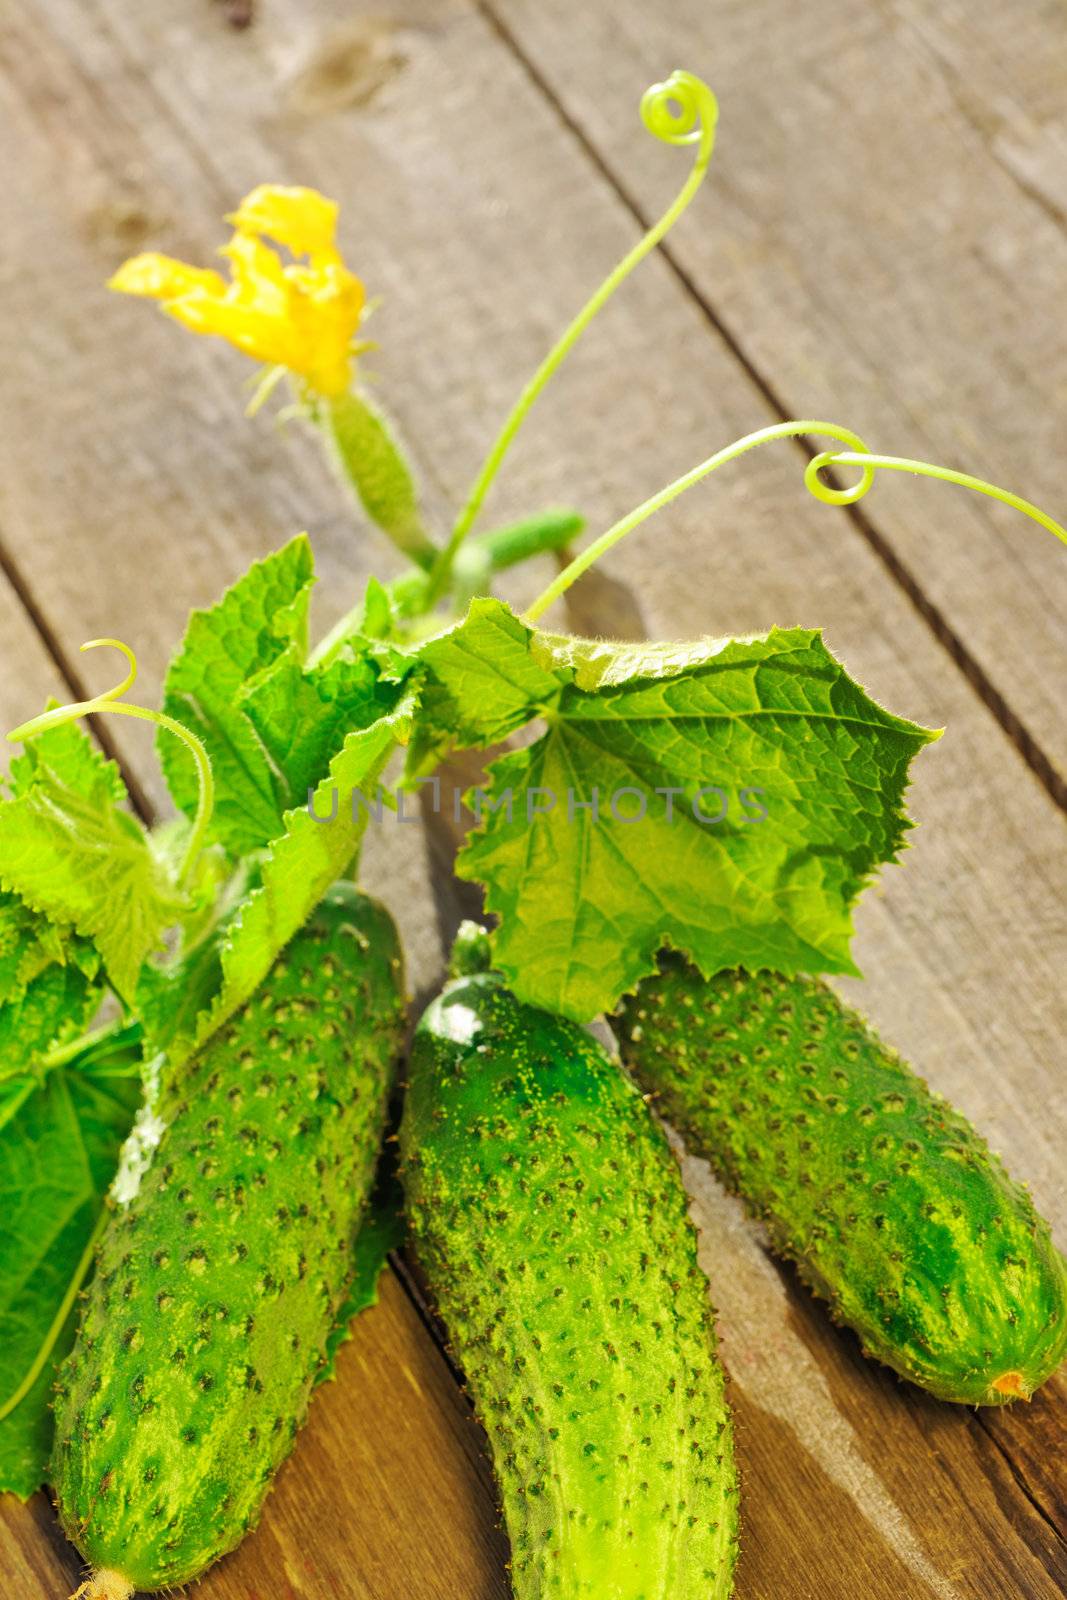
(302, 316)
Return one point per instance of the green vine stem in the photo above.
(857, 455)
(921, 469)
(680, 111)
(116, 1035)
(109, 701)
(49, 1342)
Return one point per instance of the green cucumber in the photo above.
(549, 1217)
(217, 1287)
(891, 1206)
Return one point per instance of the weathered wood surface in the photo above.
(132, 488)
(882, 242)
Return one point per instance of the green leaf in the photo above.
(30, 944)
(381, 1231)
(270, 723)
(482, 683)
(70, 853)
(55, 1006)
(771, 724)
(67, 748)
(298, 869)
(258, 620)
(301, 718)
(57, 1158)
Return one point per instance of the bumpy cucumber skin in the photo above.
(216, 1288)
(549, 1217)
(892, 1207)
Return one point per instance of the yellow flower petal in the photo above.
(324, 310)
(303, 316)
(263, 337)
(162, 278)
(303, 220)
(258, 275)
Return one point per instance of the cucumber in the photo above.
(891, 1206)
(217, 1287)
(549, 1218)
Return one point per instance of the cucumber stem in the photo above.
(780, 430)
(921, 469)
(105, 1585)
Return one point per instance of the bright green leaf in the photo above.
(68, 749)
(55, 1006)
(299, 867)
(30, 944)
(257, 621)
(744, 727)
(302, 717)
(70, 853)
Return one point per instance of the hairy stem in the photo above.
(110, 701)
(681, 111)
(857, 456)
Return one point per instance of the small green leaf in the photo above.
(70, 853)
(68, 749)
(54, 1007)
(301, 718)
(30, 944)
(298, 868)
(377, 620)
(57, 1158)
(260, 619)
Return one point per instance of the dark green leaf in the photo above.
(57, 1158)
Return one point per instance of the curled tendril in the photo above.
(857, 455)
(111, 700)
(869, 464)
(680, 111)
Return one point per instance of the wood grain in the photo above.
(882, 241)
(473, 207)
(29, 675)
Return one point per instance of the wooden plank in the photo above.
(882, 239)
(30, 674)
(468, 200)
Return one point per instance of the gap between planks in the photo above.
(1011, 723)
(72, 678)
